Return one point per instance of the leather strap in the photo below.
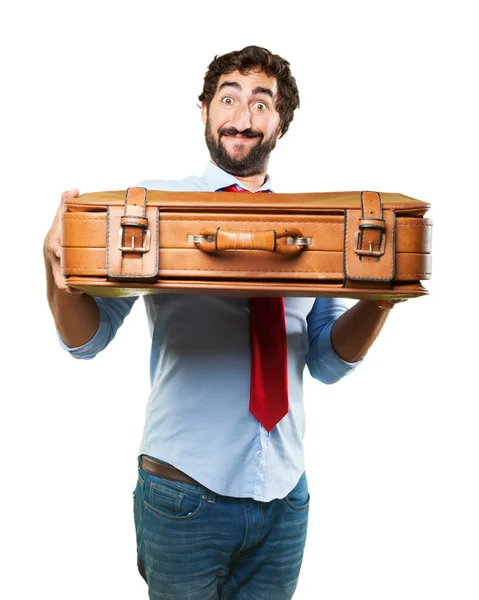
(370, 241)
(132, 238)
(166, 471)
(371, 225)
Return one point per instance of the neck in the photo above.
(252, 182)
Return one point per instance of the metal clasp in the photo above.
(298, 241)
(370, 251)
(141, 249)
(199, 239)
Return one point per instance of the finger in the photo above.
(54, 254)
(388, 304)
(58, 277)
(55, 247)
(52, 246)
(73, 292)
(73, 193)
(61, 282)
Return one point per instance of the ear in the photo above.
(204, 112)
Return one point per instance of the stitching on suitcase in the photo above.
(248, 271)
(107, 248)
(345, 252)
(338, 224)
(426, 273)
(99, 221)
(84, 219)
(254, 271)
(237, 270)
(245, 220)
(219, 270)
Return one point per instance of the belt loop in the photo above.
(211, 499)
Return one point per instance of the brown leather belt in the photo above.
(166, 471)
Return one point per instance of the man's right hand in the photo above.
(52, 248)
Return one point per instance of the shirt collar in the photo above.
(215, 179)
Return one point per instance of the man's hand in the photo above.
(76, 314)
(388, 304)
(52, 248)
(355, 330)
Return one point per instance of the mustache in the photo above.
(250, 133)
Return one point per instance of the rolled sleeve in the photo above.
(112, 314)
(323, 361)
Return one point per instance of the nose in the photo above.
(241, 119)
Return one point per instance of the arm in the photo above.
(86, 325)
(354, 332)
(324, 363)
(76, 315)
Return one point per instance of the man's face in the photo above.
(242, 123)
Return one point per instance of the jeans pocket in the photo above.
(298, 498)
(172, 500)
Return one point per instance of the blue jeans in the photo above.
(194, 544)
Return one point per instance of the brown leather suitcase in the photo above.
(343, 244)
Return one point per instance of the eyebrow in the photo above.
(257, 90)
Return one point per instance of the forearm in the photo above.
(76, 317)
(354, 331)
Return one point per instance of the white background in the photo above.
(99, 95)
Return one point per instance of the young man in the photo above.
(221, 504)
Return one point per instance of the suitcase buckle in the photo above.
(139, 250)
(298, 241)
(370, 251)
(199, 239)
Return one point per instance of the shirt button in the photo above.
(259, 453)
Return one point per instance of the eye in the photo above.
(260, 106)
(227, 100)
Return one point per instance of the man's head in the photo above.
(248, 101)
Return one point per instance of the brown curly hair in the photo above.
(251, 58)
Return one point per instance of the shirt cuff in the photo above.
(331, 363)
(91, 348)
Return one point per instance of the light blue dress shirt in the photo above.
(197, 416)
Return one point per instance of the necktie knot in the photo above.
(234, 188)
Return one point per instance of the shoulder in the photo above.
(189, 184)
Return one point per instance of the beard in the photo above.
(254, 162)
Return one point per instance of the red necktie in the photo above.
(269, 356)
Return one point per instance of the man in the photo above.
(221, 504)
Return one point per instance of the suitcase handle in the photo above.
(289, 242)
